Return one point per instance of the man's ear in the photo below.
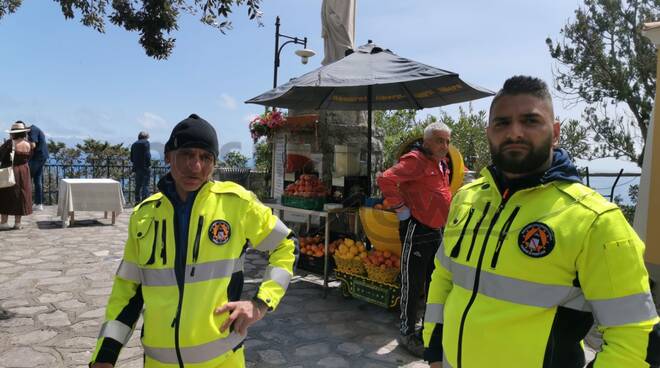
(167, 157)
(556, 130)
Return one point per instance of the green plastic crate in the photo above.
(314, 204)
(360, 287)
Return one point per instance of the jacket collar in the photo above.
(561, 169)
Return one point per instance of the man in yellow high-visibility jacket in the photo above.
(183, 263)
(531, 258)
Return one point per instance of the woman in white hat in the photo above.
(16, 200)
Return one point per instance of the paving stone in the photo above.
(16, 322)
(102, 291)
(96, 313)
(39, 275)
(271, 357)
(313, 350)
(33, 337)
(15, 303)
(350, 348)
(57, 280)
(51, 298)
(72, 356)
(30, 261)
(29, 310)
(26, 357)
(5, 264)
(55, 319)
(78, 342)
(333, 362)
(70, 304)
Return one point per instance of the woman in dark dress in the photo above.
(16, 200)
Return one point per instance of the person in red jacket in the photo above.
(418, 188)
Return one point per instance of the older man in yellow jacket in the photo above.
(183, 263)
(531, 258)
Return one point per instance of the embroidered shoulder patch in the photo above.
(219, 232)
(536, 240)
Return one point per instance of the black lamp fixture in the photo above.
(304, 53)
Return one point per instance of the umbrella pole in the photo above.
(369, 102)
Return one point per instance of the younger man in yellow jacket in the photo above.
(531, 258)
(183, 263)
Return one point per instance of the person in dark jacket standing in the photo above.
(418, 189)
(141, 159)
(37, 162)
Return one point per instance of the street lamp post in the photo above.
(304, 53)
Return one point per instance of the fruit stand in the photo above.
(319, 252)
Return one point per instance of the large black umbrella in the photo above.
(369, 79)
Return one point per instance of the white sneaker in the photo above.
(5, 226)
(38, 207)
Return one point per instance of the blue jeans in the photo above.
(37, 174)
(142, 177)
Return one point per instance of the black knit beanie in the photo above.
(193, 132)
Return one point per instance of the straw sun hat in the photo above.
(18, 127)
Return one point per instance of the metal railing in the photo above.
(121, 170)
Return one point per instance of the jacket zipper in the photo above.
(457, 248)
(476, 231)
(152, 258)
(200, 224)
(163, 251)
(475, 288)
(503, 233)
(181, 287)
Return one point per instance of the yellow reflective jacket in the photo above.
(180, 327)
(517, 281)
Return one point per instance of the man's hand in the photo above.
(102, 365)
(242, 315)
(436, 365)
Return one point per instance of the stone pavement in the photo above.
(57, 281)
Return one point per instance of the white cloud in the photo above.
(227, 101)
(151, 121)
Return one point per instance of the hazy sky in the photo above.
(76, 83)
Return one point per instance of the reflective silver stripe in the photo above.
(195, 354)
(158, 277)
(279, 232)
(434, 313)
(575, 300)
(129, 271)
(440, 255)
(510, 289)
(116, 331)
(211, 270)
(624, 310)
(279, 275)
(203, 272)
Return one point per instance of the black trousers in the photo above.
(419, 245)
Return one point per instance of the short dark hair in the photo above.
(523, 85)
(143, 135)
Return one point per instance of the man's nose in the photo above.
(515, 130)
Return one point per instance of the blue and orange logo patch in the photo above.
(219, 232)
(536, 240)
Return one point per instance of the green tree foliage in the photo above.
(573, 138)
(234, 159)
(96, 151)
(468, 135)
(262, 156)
(62, 154)
(153, 20)
(605, 60)
(398, 127)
